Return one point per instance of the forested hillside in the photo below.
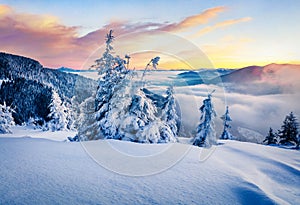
(27, 86)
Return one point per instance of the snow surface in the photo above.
(29, 131)
(43, 171)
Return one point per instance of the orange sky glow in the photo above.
(181, 45)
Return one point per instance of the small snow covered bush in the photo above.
(6, 119)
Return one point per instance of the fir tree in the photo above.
(289, 130)
(271, 138)
(127, 57)
(153, 63)
(112, 71)
(58, 114)
(74, 112)
(132, 116)
(206, 135)
(30, 99)
(118, 107)
(138, 123)
(70, 111)
(36, 122)
(169, 113)
(122, 109)
(6, 119)
(226, 119)
(88, 128)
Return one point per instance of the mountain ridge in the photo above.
(258, 73)
(27, 85)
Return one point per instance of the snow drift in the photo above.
(40, 171)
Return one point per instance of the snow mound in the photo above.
(29, 131)
(41, 171)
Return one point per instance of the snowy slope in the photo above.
(29, 131)
(41, 171)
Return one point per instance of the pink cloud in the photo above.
(195, 20)
(46, 39)
(221, 25)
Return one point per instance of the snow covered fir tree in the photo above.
(206, 135)
(271, 138)
(169, 112)
(86, 122)
(123, 110)
(111, 70)
(153, 63)
(6, 119)
(58, 114)
(226, 119)
(118, 106)
(139, 122)
(288, 133)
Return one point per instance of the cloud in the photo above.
(37, 36)
(230, 51)
(45, 38)
(247, 109)
(222, 24)
(256, 113)
(233, 21)
(195, 20)
(4, 9)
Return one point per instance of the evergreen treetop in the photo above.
(271, 138)
(206, 135)
(289, 130)
(226, 119)
(6, 119)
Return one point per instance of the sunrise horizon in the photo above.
(223, 34)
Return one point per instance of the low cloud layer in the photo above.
(252, 114)
(256, 113)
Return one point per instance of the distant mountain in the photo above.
(272, 75)
(202, 76)
(212, 73)
(71, 70)
(244, 75)
(189, 74)
(262, 80)
(274, 68)
(67, 70)
(190, 78)
(267, 74)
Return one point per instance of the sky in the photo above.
(186, 34)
